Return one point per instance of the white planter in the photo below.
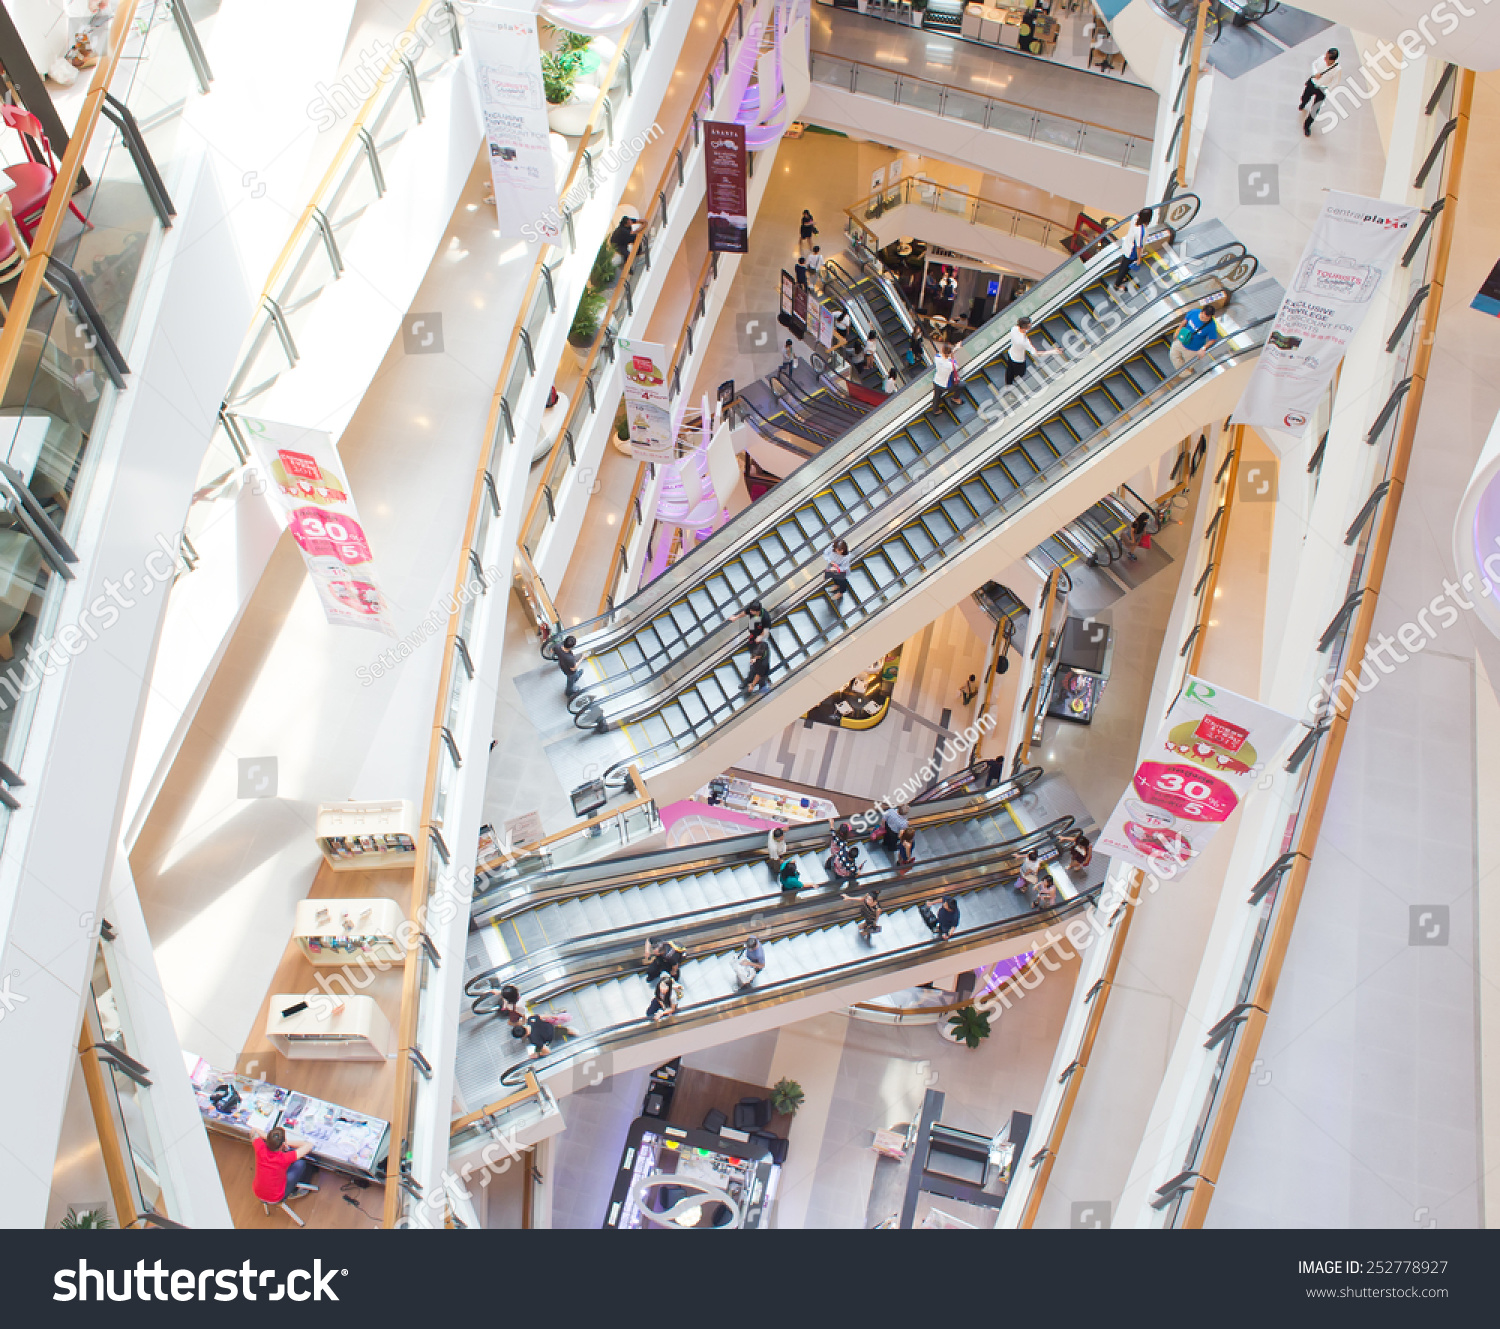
(572, 117)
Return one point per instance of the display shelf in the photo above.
(339, 932)
(360, 836)
(323, 1032)
(765, 801)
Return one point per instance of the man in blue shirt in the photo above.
(1197, 333)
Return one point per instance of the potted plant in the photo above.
(786, 1096)
(570, 98)
(87, 1218)
(968, 1025)
(606, 268)
(587, 319)
(559, 77)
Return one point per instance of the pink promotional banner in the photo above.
(306, 478)
(1212, 746)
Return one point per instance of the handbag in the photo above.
(924, 912)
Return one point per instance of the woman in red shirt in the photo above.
(279, 1169)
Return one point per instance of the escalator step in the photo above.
(979, 497)
(885, 466)
(1079, 421)
(1100, 403)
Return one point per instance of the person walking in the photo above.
(790, 878)
(539, 1031)
(800, 272)
(787, 354)
(749, 963)
(1134, 245)
(815, 264)
(842, 863)
(1081, 855)
(944, 377)
(1138, 536)
(1045, 894)
(906, 851)
(759, 677)
(1031, 872)
(969, 691)
(1197, 333)
(662, 957)
(893, 823)
(567, 661)
(1019, 351)
(836, 577)
(510, 1006)
(775, 850)
(805, 232)
(760, 620)
(1325, 75)
(869, 914)
(994, 771)
(945, 922)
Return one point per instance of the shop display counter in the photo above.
(683, 1178)
(327, 1028)
(765, 801)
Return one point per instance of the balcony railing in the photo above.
(1064, 132)
(959, 203)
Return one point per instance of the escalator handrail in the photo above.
(1154, 525)
(1057, 287)
(615, 952)
(671, 661)
(777, 990)
(961, 458)
(617, 872)
(1224, 351)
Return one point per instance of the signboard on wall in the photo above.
(648, 400)
(1353, 244)
(1211, 748)
(507, 66)
(728, 194)
(305, 479)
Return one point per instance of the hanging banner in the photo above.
(507, 64)
(1353, 243)
(302, 471)
(648, 401)
(1212, 746)
(820, 322)
(728, 198)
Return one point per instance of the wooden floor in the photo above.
(365, 1086)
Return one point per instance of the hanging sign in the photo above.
(1353, 244)
(648, 401)
(1211, 747)
(306, 480)
(507, 63)
(728, 196)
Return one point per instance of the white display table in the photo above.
(339, 932)
(360, 836)
(357, 1033)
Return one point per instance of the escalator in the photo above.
(665, 700)
(876, 305)
(970, 844)
(870, 464)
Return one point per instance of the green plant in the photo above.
(588, 316)
(970, 1025)
(559, 73)
(622, 425)
(572, 43)
(602, 274)
(89, 1218)
(786, 1096)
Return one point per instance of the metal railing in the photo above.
(1067, 133)
(1338, 659)
(73, 312)
(959, 203)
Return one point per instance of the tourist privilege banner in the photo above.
(306, 480)
(507, 63)
(1352, 246)
(648, 402)
(728, 195)
(1212, 746)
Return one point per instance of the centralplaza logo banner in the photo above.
(1352, 246)
(1211, 746)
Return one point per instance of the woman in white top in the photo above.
(775, 849)
(1018, 350)
(944, 377)
(1133, 245)
(1325, 73)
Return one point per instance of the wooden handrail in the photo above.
(532, 1090)
(999, 101)
(1041, 653)
(44, 237)
(1216, 550)
(336, 164)
(116, 1170)
(693, 104)
(687, 322)
(523, 557)
(1192, 92)
(1289, 897)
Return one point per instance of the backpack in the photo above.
(924, 912)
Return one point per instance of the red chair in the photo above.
(13, 256)
(33, 179)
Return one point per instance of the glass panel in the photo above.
(394, 114)
(352, 195)
(877, 83)
(1108, 144)
(964, 106)
(307, 274)
(924, 96)
(1064, 133)
(261, 366)
(1010, 119)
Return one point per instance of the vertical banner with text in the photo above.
(1211, 746)
(1353, 244)
(507, 64)
(648, 401)
(728, 194)
(306, 480)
